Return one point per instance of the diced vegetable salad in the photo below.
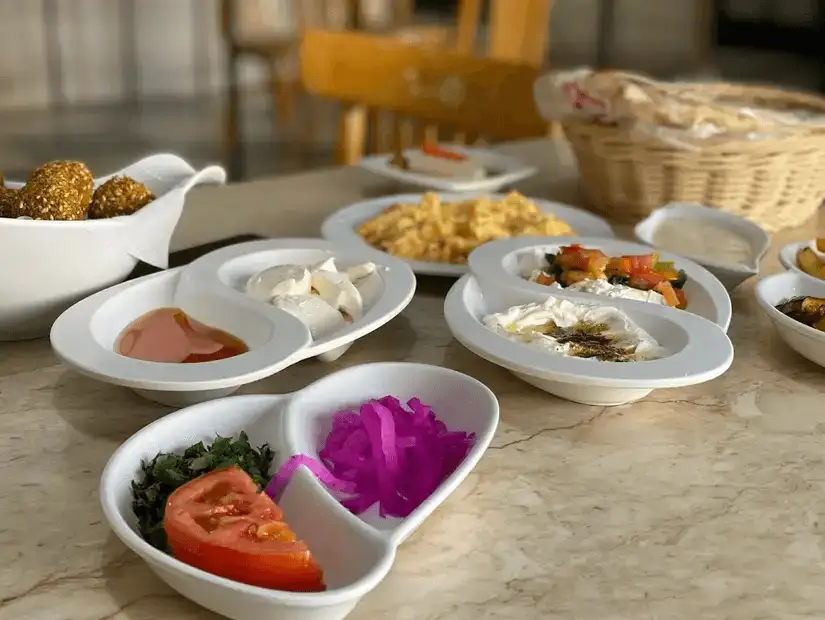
(646, 272)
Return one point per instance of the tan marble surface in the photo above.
(704, 502)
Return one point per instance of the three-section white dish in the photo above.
(728, 228)
(500, 170)
(341, 227)
(779, 288)
(500, 263)
(212, 290)
(694, 349)
(355, 552)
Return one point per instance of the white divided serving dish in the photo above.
(355, 553)
(211, 290)
(341, 226)
(729, 275)
(773, 290)
(698, 349)
(56, 263)
(502, 170)
(496, 264)
(787, 257)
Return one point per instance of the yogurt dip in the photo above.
(323, 297)
(703, 240)
(563, 327)
(531, 265)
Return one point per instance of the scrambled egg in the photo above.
(446, 232)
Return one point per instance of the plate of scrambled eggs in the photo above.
(435, 232)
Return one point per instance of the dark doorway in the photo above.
(445, 7)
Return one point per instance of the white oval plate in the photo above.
(503, 169)
(84, 336)
(356, 553)
(775, 289)
(341, 225)
(497, 264)
(699, 350)
(731, 276)
(787, 257)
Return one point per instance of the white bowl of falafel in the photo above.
(65, 235)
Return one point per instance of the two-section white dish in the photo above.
(49, 265)
(342, 225)
(211, 290)
(731, 275)
(356, 553)
(778, 288)
(697, 350)
(501, 170)
(496, 264)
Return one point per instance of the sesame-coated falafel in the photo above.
(119, 196)
(59, 190)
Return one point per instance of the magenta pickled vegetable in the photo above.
(383, 453)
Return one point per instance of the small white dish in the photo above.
(729, 275)
(698, 349)
(341, 226)
(788, 254)
(210, 290)
(778, 288)
(496, 264)
(501, 170)
(355, 553)
(57, 263)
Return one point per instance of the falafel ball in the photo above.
(8, 199)
(59, 190)
(119, 196)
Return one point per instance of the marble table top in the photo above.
(704, 502)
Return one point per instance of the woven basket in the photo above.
(777, 183)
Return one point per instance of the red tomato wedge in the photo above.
(433, 150)
(220, 523)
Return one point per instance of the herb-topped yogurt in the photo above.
(571, 329)
(323, 297)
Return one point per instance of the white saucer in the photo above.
(497, 264)
(698, 349)
(341, 226)
(503, 170)
(210, 291)
(356, 553)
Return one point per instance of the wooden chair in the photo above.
(433, 91)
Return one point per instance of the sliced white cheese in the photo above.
(279, 280)
(356, 272)
(336, 289)
(328, 264)
(320, 317)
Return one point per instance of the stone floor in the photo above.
(109, 137)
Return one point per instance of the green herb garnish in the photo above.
(166, 472)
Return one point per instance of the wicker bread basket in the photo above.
(776, 182)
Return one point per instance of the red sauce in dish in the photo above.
(169, 335)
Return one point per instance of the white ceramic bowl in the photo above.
(502, 170)
(775, 289)
(211, 291)
(49, 265)
(496, 264)
(341, 226)
(730, 276)
(698, 349)
(787, 257)
(356, 553)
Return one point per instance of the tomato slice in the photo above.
(645, 281)
(433, 150)
(220, 523)
(545, 279)
(642, 263)
(669, 293)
